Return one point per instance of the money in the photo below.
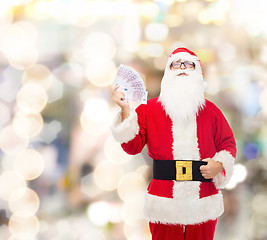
(131, 84)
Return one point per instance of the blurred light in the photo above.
(205, 55)
(70, 73)
(150, 50)
(24, 204)
(115, 213)
(50, 155)
(40, 9)
(259, 203)
(38, 73)
(101, 72)
(143, 170)
(29, 164)
(111, 8)
(263, 99)
(99, 45)
(107, 175)
(10, 85)
(132, 210)
(115, 153)
(213, 80)
(203, 17)
(214, 13)
(154, 50)
(73, 12)
(10, 181)
(94, 128)
(93, 233)
(131, 185)
(24, 225)
(258, 225)
(65, 231)
(167, 2)
(98, 213)
(6, 15)
(251, 151)
(55, 92)
(95, 119)
(250, 98)
(7, 163)
(89, 187)
(156, 32)
(10, 142)
(255, 24)
(239, 175)
(149, 9)
(22, 236)
(31, 98)
(227, 52)
(23, 54)
(160, 62)
(174, 20)
(96, 109)
(50, 132)
(5, 114)
(191, 9)
(137, 232)
(27, 125)
(14, 3)
(22, 30)
(22, 57)
(130, 34)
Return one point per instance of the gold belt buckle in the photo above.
(180, 165)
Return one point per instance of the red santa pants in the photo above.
(203, 231)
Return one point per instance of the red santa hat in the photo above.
(184, 54)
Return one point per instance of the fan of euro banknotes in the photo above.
(131, 84)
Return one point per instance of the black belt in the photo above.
(179, 170)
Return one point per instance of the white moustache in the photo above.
(179, 73)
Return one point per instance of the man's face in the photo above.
(183, 67)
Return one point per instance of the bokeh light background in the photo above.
(62, 175)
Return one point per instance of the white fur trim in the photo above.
(185, 144)
(125, 131)
(183, 210)
(227, 161)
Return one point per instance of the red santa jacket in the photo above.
(206, 136)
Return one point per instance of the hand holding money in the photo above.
(128, 86)
(118, 97)
(131, 84)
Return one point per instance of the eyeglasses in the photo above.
(187, 64)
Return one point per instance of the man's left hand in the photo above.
(211, 169)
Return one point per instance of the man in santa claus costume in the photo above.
(192, 147)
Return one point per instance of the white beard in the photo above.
(182, 96)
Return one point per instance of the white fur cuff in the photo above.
(182, 211)
(227, 161)
(125, 131)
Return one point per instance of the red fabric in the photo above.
(178, 50)
(161, 189)
(213, 135)
(204, 231)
